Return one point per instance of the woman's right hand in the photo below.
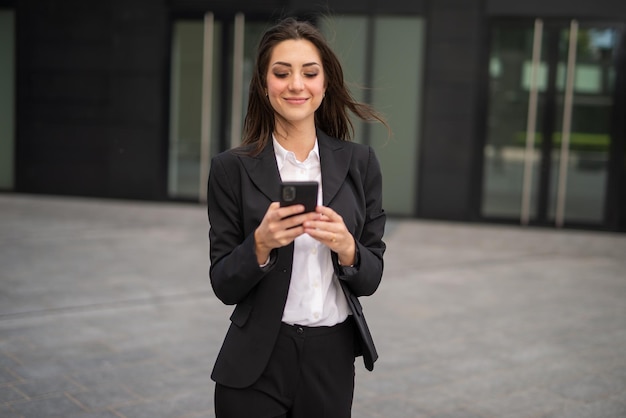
(279, 227)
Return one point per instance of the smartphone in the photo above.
(299, 193)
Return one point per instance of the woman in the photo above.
(290, 348)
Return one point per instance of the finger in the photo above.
(331, 239)
(272, 211)
(327, 237)
(292, 210)
(328, 214)
(298, 220)
(288, 235)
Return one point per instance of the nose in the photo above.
(296, 83)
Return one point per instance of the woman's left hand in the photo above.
(330, 230)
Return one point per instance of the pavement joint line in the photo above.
(518, 259)
(95, 307)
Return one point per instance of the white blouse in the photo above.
(314, 298)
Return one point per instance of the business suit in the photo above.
(240, 189)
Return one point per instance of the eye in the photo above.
(311, 75)
(281, 75)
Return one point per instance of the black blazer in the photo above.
(240, 189)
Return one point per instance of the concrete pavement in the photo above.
(106, 311)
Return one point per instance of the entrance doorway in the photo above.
(550, 126)
(212, 60)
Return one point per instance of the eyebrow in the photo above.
(286, 64)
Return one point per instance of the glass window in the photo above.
(397, 92)
(396, 45)
(347, 35)
(189, 70)
(185, 111)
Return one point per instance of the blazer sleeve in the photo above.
(364, 278)
(234, 269)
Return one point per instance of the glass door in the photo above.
(211, 63)
(551, 93)
(580, 151)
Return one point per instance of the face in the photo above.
(295, 81)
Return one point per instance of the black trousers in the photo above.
(310, 375)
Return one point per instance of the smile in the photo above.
(296, 100)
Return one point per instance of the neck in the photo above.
(297, 139)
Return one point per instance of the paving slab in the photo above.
(106, 311)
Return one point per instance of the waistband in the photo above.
(303, 330)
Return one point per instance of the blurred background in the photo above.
(502, 111)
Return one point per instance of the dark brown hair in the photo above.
(332, 115)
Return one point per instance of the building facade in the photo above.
(501, 111)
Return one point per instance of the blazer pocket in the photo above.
(241, 314)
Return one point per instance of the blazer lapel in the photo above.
(263, 171)
(335, 160)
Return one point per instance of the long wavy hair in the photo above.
(332, 115)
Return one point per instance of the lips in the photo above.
(296, 100)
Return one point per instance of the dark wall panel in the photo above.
(88, 73)
(279, 8)
(451, 111)
(606, 9)
(64, 159)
